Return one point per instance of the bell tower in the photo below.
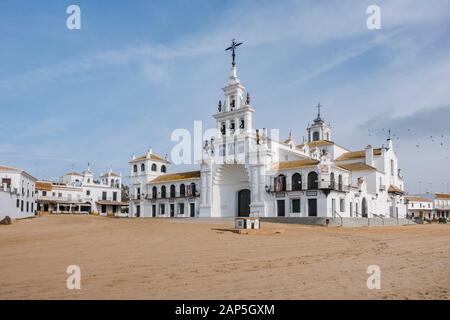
(319, 130)
(235, 113)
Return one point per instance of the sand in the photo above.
(188, 259)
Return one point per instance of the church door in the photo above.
(312, 207)
(280, 208)
(192, 209)
(364, 208)
(244, 203)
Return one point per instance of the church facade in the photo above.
(245, 171)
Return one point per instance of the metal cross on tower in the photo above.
(233, 47)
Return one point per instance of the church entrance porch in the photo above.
(231, 195)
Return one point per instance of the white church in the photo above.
(246, 172)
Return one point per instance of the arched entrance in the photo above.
(231, 191)
(364, 208)
(244, 203)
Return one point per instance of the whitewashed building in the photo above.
(419, 207)
(81, 193)
(441, 205)
(17, 193)
(156, 193)
(247, 171)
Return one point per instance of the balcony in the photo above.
(333, 186)
(176, 196)
(107, 199)
(65, 199)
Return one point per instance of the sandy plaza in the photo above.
(230, 159)
(187, 259)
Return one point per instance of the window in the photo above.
(342, 205)
(28, 206)
(138, 193)
(7, 181)
(340, 182)
(88, 192)
(154, 192)
(59, 195)
(135, 168)
(154, 168)
(32, 207)
(181, 208)
(241, 147)
(231, 148)
(332, 181)
(193, 189)
(296, 205)
(296, 181)
(44, 193)
(103, 208)
(163, 191)
(232, 126)
(313, 183)
(392, 167)
(223, 129)
(21, 205)
(280, 183)
(104, 194)
(241, 124)
(17, 203)
(182, 190)
(222, 150)
(162, 208)
(163, 168)
(115, 196)
(316, 136)
(142, 167)
(172, 191)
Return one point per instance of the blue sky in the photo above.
(137, 70)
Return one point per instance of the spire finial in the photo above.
(318, 119)
(233, 47)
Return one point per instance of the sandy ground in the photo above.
(186, 259)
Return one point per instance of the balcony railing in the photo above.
(65, 199)
(107, 199)
(176, 196)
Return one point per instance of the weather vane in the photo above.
(233, 47)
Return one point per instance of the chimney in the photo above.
(369, 155)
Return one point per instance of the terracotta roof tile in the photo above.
(176, 177)
(358, 166)
(357, 154)
(442, 196)
(294, 164)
